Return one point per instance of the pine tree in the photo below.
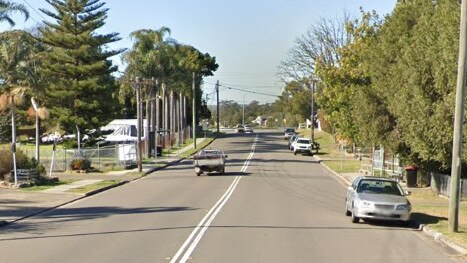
(82, 90)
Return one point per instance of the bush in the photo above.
(70, 144)
(80, 164)
(22, 161)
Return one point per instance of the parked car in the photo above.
(239, 128)
(303, 146)
(377, 198)
(294, 142)
(291, 140)
(209, 161)
(248, 128)
(288, 132)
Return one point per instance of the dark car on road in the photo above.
(288, 133)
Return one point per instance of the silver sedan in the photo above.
(377, 198)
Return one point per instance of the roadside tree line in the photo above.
(384, 81)
(66, 66)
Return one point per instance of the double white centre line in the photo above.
(192, 241)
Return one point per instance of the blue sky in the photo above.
(248, 38)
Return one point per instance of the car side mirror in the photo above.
(350, 188)
(408, 193)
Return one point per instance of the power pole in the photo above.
(218, 118)
(194, 111)
(456, 165)
(312, 117)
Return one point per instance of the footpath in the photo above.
(17, 204)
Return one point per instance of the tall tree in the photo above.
(15, 49)
(320, 42)
(82, 93)
(7, 8)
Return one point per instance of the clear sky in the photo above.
(249, 38)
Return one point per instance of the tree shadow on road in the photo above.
(69, 214)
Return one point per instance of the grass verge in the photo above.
(428, 207)
(344, 166)
(45, 186)
(89, 188)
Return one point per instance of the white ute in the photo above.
(209, 161)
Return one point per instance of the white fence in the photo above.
(102, 158)
(379, 163)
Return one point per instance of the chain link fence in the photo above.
(113, 157)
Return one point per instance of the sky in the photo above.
(249, 38)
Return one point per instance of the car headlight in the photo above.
(404, 207)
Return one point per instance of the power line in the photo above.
(244, 90)
(35, 11)
(248, 85)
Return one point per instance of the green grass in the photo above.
(427, 206)
(89, 188)
(345, 166)
(432, 210)
(46, 186)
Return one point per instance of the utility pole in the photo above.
(243, 111)
(138, 116)
(218, 118)
(194, 111)
(456, 165)
(312, 117)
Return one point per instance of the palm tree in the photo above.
(7, 8)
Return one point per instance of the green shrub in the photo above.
(80, 164)
(70, 144)
(22, 161)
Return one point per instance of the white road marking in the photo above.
(204, 224)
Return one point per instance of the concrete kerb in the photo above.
(421, 227)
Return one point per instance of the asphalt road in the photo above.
(271, 206)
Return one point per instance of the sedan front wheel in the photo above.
(355, 219)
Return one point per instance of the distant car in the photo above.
(239, 128)
(288, 132)
(248, 128)
(377, 198)
(302, 145)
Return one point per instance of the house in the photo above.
(261, 121)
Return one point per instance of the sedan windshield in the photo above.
(379, 187)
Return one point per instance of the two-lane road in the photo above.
(271, 206)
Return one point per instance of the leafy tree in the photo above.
(415, 71)
(155, 56)
(15, 48)
(82, 93)
(149, 58)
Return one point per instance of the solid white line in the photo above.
(188, 240)
(206, 226)
(209, 217)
